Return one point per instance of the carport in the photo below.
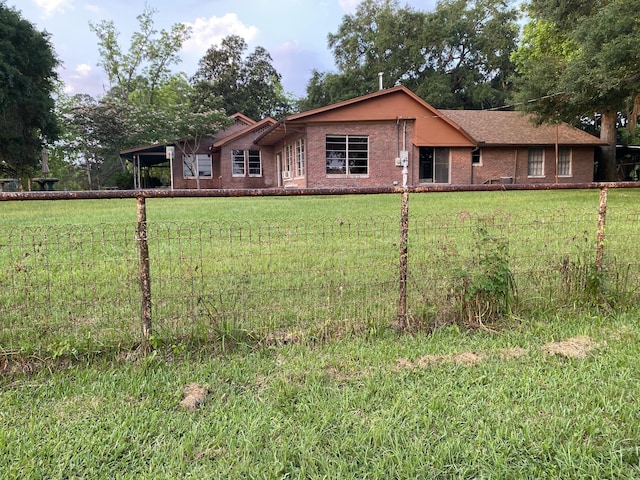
(143, 158)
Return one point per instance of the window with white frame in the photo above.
(536, 162)
(347, 155)
(246, 161)
(288, 161)
(254, 162)
(299, 146)
(476, 157)
(564, 162)
(201, 164)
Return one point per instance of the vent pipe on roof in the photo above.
(380, 76)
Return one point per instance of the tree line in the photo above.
(574, 61)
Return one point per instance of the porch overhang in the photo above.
(147, 156)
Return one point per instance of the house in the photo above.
(248, 165)
(367, 141)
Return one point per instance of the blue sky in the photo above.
(293, 31)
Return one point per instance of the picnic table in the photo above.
(11, 184)
(46, 183)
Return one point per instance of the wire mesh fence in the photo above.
(77, 287)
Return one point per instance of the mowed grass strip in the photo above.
(547, 398)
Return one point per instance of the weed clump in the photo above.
(484, 288)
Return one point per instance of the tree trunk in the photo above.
(608, 135)
(633, 116)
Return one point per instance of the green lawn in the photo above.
(453, 404)
(549, 392)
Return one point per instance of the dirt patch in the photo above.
(464, 358)
(194, 396)
(512, 353)
(576, 347)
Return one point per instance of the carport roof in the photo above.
(149, 155)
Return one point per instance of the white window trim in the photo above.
(478, 164)
(346, 174)
(542, 175)
(287, 166)
(244, 165)
(570, 174)
(196, 164)
(299, 164)
(246, 171)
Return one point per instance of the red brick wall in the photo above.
(221, 163)
(385, 141)
(498, 162)
(460, 166)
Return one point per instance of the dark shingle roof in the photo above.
(516, 128)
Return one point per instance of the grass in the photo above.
(311, 381)
(316, 267)
(362, 408)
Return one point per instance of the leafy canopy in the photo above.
(27, 81)
(246, 84)
(457, 56)
(578, 58)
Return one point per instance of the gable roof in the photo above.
(495, 128)
(389, 104)
(242, 118)
(252, 128)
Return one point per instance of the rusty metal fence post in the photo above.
(402, 319)
(602, 220)
(144, 273)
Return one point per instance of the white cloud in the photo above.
(349, 6)
(210, 31)
(50, 7)
(83, 70)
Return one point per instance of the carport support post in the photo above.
(402, 319)
(144, 277)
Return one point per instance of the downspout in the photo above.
(473, 169)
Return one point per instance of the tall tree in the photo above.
(27, 81)
(468, 58)
(457, 56)
(136, 75)
(250, 85)
(577, 58)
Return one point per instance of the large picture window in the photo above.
(347, 155)
(564, 162)
(536, 162)
(246, 161)
(200, 164)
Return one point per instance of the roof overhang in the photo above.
(148, 155)
(278, 132)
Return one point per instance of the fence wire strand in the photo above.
(78, 284)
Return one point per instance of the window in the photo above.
(202, 165)
(536, 162)
(476, 157)
(434, 165)
(299, 157)
(255, 165)
(564, 162)
(347, 155)
(237, 163)
(288, 161)
(243, 161)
